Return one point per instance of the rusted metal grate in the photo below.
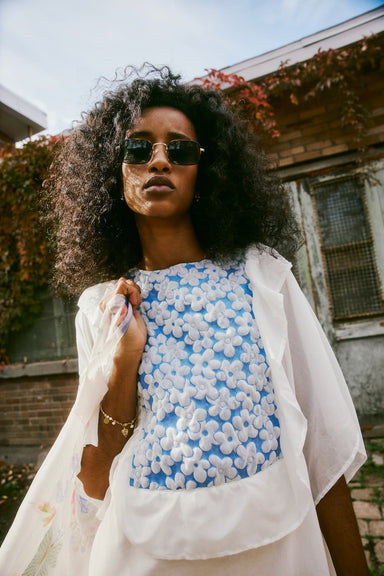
(347, 246)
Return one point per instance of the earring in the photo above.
(197, 197)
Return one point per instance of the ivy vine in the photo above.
(26, 253)
(336, 72)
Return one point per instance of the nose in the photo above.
(159, 161)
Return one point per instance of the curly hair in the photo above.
(241, 201)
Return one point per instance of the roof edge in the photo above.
(347, 32)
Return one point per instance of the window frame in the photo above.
(59, 345)
(368, 243)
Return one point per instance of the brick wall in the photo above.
(312, 130)
(33, 410)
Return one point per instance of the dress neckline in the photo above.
(195, 263)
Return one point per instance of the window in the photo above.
(51, 336)
(347, 248)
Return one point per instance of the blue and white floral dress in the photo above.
(244, 423)
(207, 413)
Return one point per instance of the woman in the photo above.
(213, 431)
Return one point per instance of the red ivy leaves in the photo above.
(337, 71)
(250, 97)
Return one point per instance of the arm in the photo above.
(120, 400)
(339, 527)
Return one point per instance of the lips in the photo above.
(159, 182)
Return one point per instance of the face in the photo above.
(160, 189)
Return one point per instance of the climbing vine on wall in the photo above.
(25, 250)
(249, 98)
(338, 73)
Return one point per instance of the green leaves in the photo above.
(25, 250)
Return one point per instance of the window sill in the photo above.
(68, 366)
(360, 329)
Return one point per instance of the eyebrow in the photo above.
(149, 135)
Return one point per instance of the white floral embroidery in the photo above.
(195, 465)
(197, 299)
(216, 272)
(239, 300)
(227, 439)
(261, 417)
(174, 373)
(157, 384)
(193, 325)
(182, 397)
(224, 404)
(248, 395)
(220, 314)
(244, 323)
(149, 359)
(205, 341)
(159, 313)
(146, 286)
(206, 434)
(249, 457)
(139, 477)
(170, 348)
(167, 289)
(159, 460)
(190, 417)
(250, 353)
(205, 388)
(180, 299)
(173, 324)
(214, 292)
(271, 459)
(191, 277)
(173, 439)
(205, 364)
(162, 406)
(268, 404)
(221, 469)
(231, 373)
(246, 425)
(207, 411)
(178, 482)
(180, 452)
(269, 434)
(227, 341)
(257, 375)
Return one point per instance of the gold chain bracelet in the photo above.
(125, 425)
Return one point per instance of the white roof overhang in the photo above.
(18, 118)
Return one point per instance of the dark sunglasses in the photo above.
(184, 152)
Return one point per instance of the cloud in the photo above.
(54, 52)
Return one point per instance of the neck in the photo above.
(165, 244)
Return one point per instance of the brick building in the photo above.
(338, 194)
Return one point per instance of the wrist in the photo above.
(125, 427)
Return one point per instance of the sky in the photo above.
(53, 52)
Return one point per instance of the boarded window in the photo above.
(347, 246)
(51, 336)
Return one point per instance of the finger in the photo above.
(127, 288)
(131, 291)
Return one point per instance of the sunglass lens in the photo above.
(184, 152)
(137, 151)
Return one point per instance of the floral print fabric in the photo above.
(207, 413)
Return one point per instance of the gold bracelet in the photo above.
(125, 425)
